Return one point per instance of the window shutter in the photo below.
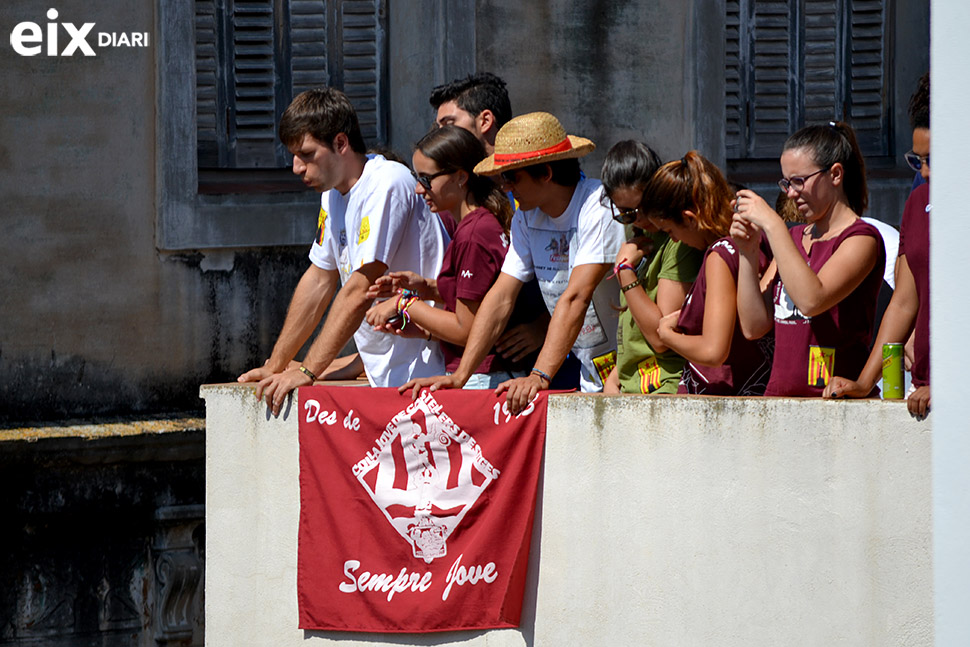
(772, 64)
(789, 63)
(360, 32)
(254, 56)
(308, 45)
(255, 83)
(869, 108)
(210, 100)
(735, 85)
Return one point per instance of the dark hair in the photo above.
(836, 143)
(475, 93)
(692, 183)
(455, 149)
(564, 172)
(628, 163)
(323, 113)
(919, 104)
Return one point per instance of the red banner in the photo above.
(415, 516)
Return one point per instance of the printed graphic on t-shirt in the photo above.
(649, 371)
(785, 308)
(321, 225)
(558, 246)
(364, 231)
(821, 365)
(605, 364)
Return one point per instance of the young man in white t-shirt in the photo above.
(563, 235)
(370, 219)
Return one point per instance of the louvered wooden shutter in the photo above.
(254, 56)
(789, 63)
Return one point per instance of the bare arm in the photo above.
(812, 293)
(345, 317)
(647, 314)
(753, 304)
(567, 321)
(712, 346)
(452, 327)
(310, 300)
(897, 324)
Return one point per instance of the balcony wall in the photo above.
(661, 521)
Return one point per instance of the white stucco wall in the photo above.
(950, 304)
(662, 521)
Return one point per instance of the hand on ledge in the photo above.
(840, 387)
(433, 383)
(275, 388)
(918, 402)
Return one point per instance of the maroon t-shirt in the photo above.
(835, 342)
(914, 243)
(746, 369)
(472, 262)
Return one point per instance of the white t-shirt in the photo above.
(549, 248)
(890, 242)
(382, 219)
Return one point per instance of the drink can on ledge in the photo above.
(892, 371)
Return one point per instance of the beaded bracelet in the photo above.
(630, 286)
(308, 373)
(542, 374)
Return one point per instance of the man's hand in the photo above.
(918, 402)
(521, 391)
(433, 383)
(275, 388)
(518, 341)
(256, 374)
(841, 387)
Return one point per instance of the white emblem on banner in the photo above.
(425, 473)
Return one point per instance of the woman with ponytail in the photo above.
(690, 200)
(819, 295)
(443, 161)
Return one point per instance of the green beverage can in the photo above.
(892, 371)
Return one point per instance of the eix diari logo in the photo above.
(28, 38)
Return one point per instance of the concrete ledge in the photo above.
(662, 521)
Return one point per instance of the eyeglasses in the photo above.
(509, 176)
(797, 183)
(425, 180)
(916, 161)
(624, 216)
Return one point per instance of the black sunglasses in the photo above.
(425, 180)
(624, 216)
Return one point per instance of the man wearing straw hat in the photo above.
(563, 235)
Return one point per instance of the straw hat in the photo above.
(533, 138)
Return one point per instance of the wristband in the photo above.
(542, 374)
(626, 288)
(308, 373)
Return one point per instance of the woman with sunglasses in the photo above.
(691, 201)
(819, 295)
(655, 274)
(443, 161)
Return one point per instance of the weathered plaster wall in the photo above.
(609, 70)
(93, 320)
(662, 521)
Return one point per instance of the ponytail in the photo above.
(692, 183)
